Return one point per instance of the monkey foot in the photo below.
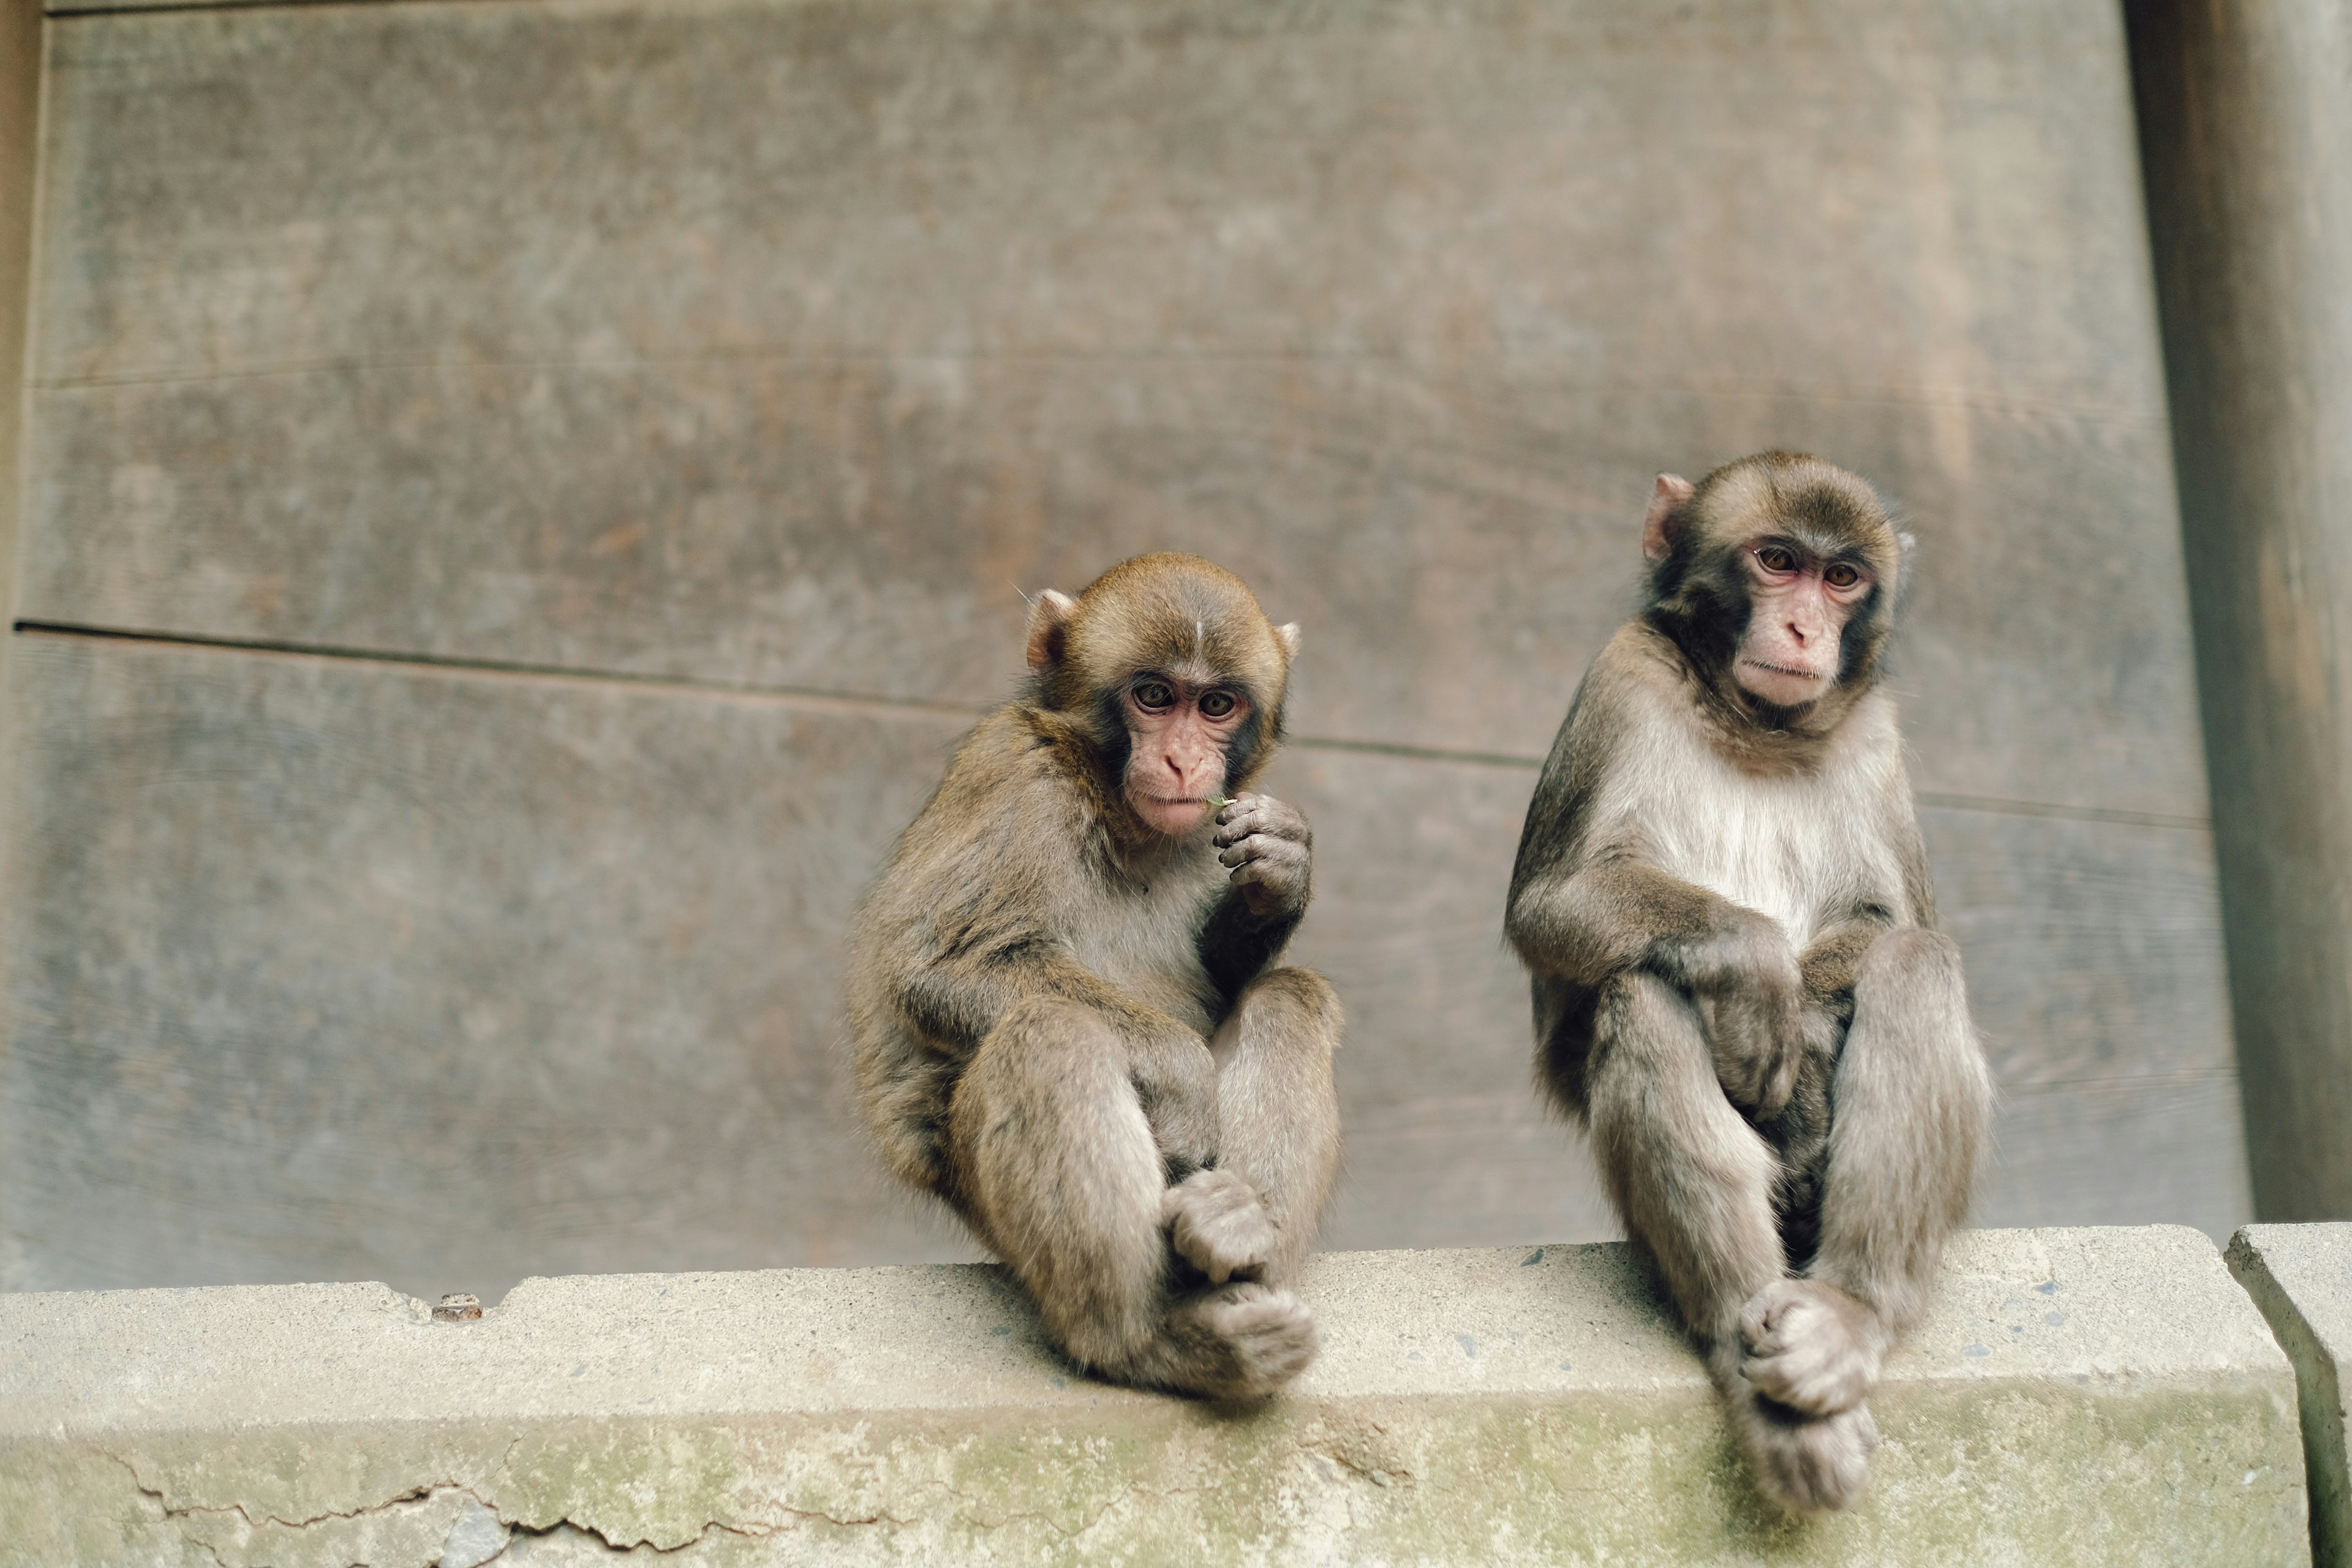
(1241, 1342)
(1218, 1225)
(1805, 1464)
(1810, 1346)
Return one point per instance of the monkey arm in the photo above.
(1734, 964)
(1237, 945)
(1618, 914)
(958, 997)
(1831, 960)
(956, 1002)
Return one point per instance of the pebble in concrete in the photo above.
(2078, 1396)
(2301, 1278)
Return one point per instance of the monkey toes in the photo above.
(1259, 1339)
(1218, 1224)
(1810, 1346)
(1806, 1463)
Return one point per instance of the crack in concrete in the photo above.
(185, 1510)
(425, 1491)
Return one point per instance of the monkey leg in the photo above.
(1694, 1182)
(1691, 1179)
(1913, 1102)
(1057, 1170)
(1279, 1132)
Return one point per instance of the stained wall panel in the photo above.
(770, 347)
(364, 970)
(778, 342)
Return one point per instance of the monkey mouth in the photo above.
(1785, 670)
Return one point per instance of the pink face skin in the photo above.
(1797, 608)
(1178, 734)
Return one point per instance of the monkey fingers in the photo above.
(1217, 1222)
(1261, 815)
(1758, 1045)
(1810, 1346)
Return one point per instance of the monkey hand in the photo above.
(1811, 1346)
(1218, 1224)
(1745, 984)
(1175, 1081)
(1267, 842)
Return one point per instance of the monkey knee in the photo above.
(1043, 1026)
(1924, 965)
(1298, 1004)
(1050, 1072)
(1639, 1017)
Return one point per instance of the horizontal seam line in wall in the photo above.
(1893, 397)
(2177, 1078)
(2070, 813)
(182, 7)
(836, 701)
(497, 670)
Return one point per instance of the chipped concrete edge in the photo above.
(853, 1417)
(2319, 1394)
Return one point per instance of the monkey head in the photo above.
(1169, 674)
(1775, 575)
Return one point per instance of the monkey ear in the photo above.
(1049, 623)
(1658, 523)
(1288, 635)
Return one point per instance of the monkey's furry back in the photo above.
(963, 889)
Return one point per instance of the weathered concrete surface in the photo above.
(2247, 131)
(2301, 1278)
(2079, 1396)
(446, 978)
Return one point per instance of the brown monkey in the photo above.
(1722, 899)
(1068, 1022)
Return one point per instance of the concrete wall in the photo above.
(566, 468)
(2084, 1397)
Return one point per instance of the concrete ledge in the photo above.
(2301, 1278)
(2081, 1397)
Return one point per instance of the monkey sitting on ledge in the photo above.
(1722, 899)
(1068, 1019)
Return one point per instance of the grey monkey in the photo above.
(1723, 902)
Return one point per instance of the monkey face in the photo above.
(1173, 675)
(1179, 732)
(1798, 604)
(1775, 575)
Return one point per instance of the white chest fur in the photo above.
(1144, 937)
(1796, 846)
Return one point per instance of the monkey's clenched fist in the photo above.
(1267, 842)
(1745, 983)
(1218, 1224)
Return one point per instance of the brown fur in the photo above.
(1738, 988)
(1070, 1027)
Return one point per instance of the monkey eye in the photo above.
(1216, 704)
(1841, 575)
(1777, 559)
(1154, 695)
